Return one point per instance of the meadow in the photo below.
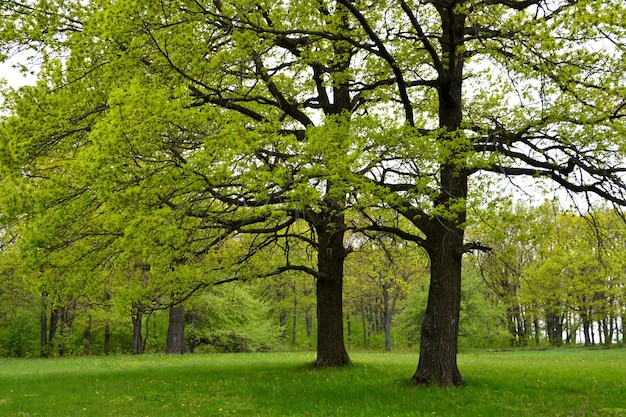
(560, 382)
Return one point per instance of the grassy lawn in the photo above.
(520, 383)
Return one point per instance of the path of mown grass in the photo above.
(521, 383)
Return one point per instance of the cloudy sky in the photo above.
(13, 76)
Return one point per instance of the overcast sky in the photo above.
(13, 76)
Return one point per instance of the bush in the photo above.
(229, 319)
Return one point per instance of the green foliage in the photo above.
(228, 319)
(18, 335)
(551, 263)
(481, 324)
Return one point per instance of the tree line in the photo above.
(170, 146)
(554, 277)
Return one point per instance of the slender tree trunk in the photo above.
(176, 331)
(331, 350)
(614, 329)
(513, 325)
(608, 336)
(137, 332)
(52, 329)
(43, 326)
(387, 318)
(520, 332)
(537, 330)
(586, 327)
(364, 323)
(593, 333)
(87, 335)
(294, 329)
(147, 334)
(309, 323)
(107, 338)
(68, 314)
(282, 320)
(525, 332)
(63, 330)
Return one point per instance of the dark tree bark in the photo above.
(107, 338)
(43, 327)
(55, 315)
(309, 323)
(554, 328)
(294, 332)
(440, 328)
(147, 334)
(586, 328)
(67, 316)
(331, 350)
(137, 319)
(387, 315)
(607, 330)
(176, 331)
(282, 320)
(87, 335)
(518, 328)
(444, 236)
(537, 330)
(364, 323)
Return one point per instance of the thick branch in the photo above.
(475, 246)
(384, 54)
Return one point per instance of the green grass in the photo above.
(520, 383)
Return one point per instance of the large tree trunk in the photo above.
(440, 328)
(176, 331)
(445, 234)
(331, 350)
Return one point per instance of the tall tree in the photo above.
(553, 115)
(176, 330)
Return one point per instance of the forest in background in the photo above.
(553, 277)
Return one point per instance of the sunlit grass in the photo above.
(521, 383)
